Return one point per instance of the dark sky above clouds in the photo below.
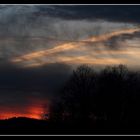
(41, 44)
(126, 13)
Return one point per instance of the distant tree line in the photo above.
(110, 97)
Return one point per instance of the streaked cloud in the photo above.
(47, 56)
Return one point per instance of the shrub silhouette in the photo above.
(110, 97)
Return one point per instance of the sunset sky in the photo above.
(41, 44)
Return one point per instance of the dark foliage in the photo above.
(106, 99)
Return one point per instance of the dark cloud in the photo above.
(42, 76)
(25, 91)
(125, 13)
(18, 84)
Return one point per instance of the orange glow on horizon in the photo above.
(8, 115)
(35, 110)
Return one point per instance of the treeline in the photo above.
(109, 98)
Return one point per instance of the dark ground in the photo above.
(25, 126)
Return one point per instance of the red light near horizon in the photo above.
(35, 110)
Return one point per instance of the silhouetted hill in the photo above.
(20, 119)
(22, 125)
(28, 126)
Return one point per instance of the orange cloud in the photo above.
(80, 60)
(38, 55)
(112, 34)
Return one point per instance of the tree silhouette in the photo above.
(76, 101)
(110, 97)
(111, 93)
